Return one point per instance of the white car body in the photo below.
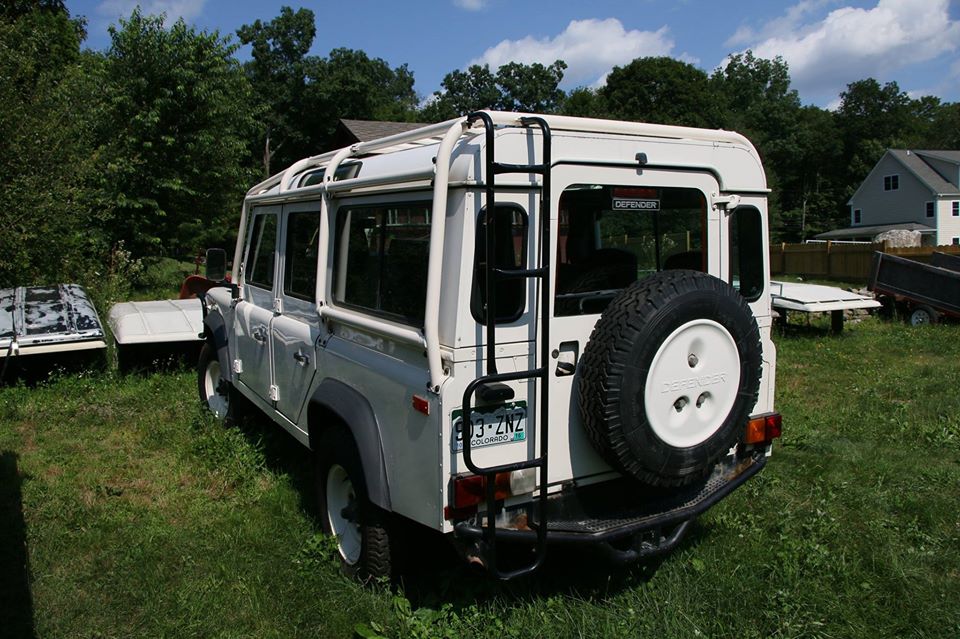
(289, 354)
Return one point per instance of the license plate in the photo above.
(501, 425)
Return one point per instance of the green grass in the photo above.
(142, 518)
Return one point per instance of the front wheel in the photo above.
(214, 389)
(363, 539)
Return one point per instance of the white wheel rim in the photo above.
(340, 495)
(217, 400)
(692, 383)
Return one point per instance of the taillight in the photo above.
(764, 429)
(469, 491)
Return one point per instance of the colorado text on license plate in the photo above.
(502, 425)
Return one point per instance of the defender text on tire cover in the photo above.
(669, 376)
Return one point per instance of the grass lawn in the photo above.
(125, 512)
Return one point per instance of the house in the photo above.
(910, 190)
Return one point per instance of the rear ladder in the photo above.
(488, 384)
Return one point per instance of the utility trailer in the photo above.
(923, 292)
(512, 329)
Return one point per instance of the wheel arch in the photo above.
(215, 332)
(334, 402)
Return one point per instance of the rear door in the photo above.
(296, 330)
(612, 226)
(255, 310)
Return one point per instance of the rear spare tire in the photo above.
(669, 376)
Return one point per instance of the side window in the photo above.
(300, 259)
(380, 259)
(610, 236)
(510, 227)
(345, 172)
(746, 252)
(262, 251)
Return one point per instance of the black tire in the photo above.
(216, 394)
(650, 317)
(371, 557)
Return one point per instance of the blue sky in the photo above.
(827, 43)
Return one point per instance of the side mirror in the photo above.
(216, 265)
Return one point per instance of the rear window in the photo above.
(746, 252)
(610, 236)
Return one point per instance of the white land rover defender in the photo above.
(593, 294)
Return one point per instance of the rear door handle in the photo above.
(259, 333)
(302, 358)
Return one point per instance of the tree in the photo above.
(278, 75)
(530, 88)
(47, 153)
(664, 91)
(173, 140)
(350, 84)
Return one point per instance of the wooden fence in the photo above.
(849, 262)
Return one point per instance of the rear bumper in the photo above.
(613, 511)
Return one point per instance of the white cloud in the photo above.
(591, 48)
(173, 9)
(470, 5)
(850, 44)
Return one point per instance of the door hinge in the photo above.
(238, 366)
(728, 202)
(274, 393)
(277, 306)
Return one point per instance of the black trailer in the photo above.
(925, 292)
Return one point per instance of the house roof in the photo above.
(871, 231)
(366, 130)
(914, 161)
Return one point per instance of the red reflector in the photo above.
(421, 405)
(773, 425)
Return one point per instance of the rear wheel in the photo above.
(360, 528)
(214, 389)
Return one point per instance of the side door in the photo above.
(255, 310)
(612, 226)
(296, 330)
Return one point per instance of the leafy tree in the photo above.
(350, 84)
(664, 91)
(585, 103)
(514, 87)
(173, 137)
(46, 149)
(278, 75)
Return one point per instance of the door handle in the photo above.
(566, 357)
(302, 358)
(259, 333)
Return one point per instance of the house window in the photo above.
(955, 241)
(891, 182)
(856, 216)
(929, 209)
(956, 209)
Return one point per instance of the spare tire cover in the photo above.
(669, 376)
